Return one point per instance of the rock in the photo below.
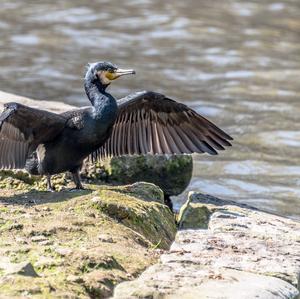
(242, 237)
(171, 173)
(63, 251)
(173, 281)
(46, 262)
(39, 238)
(16, 226)
(24, 268)
(99, 284)
(145, 191)
(233, 251)
(81, 244)
(151, 220)
(193, 215)
(106, 238)
(46, 242)
(48, 105)
(21, 240)
(75, 279)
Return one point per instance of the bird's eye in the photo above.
(110, 70)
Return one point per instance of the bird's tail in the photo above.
(32, 165)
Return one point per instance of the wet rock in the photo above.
(233, 251)
(171, 173)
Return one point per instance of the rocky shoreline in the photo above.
(76, 244)
(119, 240)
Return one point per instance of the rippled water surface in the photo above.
(236, 62)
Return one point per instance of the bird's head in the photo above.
(106, 72)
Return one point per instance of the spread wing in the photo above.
(148, 122)
(21, 129)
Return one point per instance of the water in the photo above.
(236, 62)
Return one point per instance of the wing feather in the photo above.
(149, 122)
(173, 146)
(21, 128)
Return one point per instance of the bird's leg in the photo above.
(77, 180)
(168, 202)
(49, 185)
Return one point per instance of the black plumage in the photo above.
(47, 143)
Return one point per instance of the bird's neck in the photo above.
(101, 100)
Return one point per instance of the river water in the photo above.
(236, 62)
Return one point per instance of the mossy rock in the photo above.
(22, 181)
(172, 173)
(81, 244)
(151, 219)
(194, 213)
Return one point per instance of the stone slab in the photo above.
(233, 251)
(173, 281)
(47, 105)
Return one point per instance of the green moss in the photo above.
(23, 181)
(194, 215)
(152, 220)
(3, 209)
(171, 173)
(143, 190)
(5, 224)
(71, 259)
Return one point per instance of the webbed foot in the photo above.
(50, 187)
(77, 181)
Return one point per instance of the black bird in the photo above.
(46, 143)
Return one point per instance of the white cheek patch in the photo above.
(103, 78)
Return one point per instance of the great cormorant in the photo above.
(46, 143)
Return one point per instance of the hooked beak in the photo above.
(122, 72)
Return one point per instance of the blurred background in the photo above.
(236, 62)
